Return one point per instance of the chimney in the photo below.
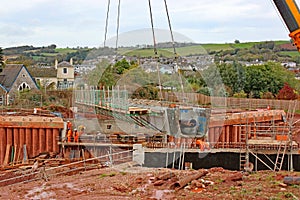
(56, 63)
(71, 61)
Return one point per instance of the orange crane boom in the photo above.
(290, 14)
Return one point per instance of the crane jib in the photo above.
(289, 11)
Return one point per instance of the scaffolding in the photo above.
(266, 139)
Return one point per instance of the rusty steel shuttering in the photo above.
(39, 134)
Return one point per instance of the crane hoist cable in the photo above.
(152, 27)
(155, 50)
(106, 22)
(170, 28)
(118, 24)
(174, 49)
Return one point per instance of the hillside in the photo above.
(265, 50)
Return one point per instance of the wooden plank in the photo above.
(25, 155)
(15, 154)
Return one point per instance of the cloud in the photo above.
(82, 21)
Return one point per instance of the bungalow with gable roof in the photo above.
(13, 79)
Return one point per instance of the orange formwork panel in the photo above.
(234, 134)
(22, 137)
(211, 137)
(2, 144)
(55, 140)
(42, 140)
(21, 143)
(35, 142)
(16, 137)
(9, 135)
(28, 141)
(49, 140)
(227, 132)
(221, 139)
(38, 133)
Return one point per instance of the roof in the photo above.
(43, 72)
(64, 64)
(9, 74)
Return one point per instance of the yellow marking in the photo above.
(294, 10)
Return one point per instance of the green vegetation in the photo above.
(65, 50)
(106, 175)
(248, 51)
(289, 53)
(1, 60)
(228, 76)
(149, 53)
(257, 81)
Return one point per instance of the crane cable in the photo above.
(174, 50)
(155, 50)
(106, 22)
(152, 27)
(118, 25)
(170, 28)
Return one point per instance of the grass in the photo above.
(49, 54)
(290, 53)
(189, 50)
(123, 173)
(65, 50)
(106, 175)
(197, 49)
(148, 53)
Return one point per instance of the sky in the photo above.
(73, 23)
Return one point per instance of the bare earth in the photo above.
(130, 182)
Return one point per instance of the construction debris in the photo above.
(183, 182)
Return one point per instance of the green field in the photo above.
(195, 49)
(148, 53)
(290, 53)
(49, 54)
(65, 50)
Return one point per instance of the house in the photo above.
(60, 76)
(13, 79)
(45, 76)
(65, 75)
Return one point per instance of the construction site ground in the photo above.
(133, 182)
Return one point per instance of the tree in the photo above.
(287, 93)
(233, 76)
(269, 77)
(1, 60)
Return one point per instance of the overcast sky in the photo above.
(75, 23)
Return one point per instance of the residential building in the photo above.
(15, 78)
(65, 75)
